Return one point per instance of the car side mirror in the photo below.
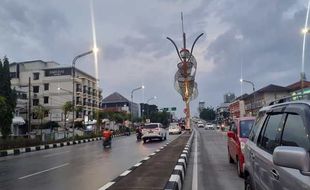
(292, 157)
(231, 134)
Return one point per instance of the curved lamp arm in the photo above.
(176, 48)
(194, 45)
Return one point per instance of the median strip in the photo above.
(153, 171)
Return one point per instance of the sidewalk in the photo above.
(156, 171)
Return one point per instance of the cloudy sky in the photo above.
(261, 36)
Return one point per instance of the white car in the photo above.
(174, 128)
(209, 126)
(154, 131)
(200, 125)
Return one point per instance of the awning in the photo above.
(18, 121)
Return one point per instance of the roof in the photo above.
(114, 97)
(297, 85)
(272, 88)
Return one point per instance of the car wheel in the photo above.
(144, 140)
(248, 183)
(240, 173)
(230, 158)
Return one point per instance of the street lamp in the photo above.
(141, 87)
(94, 50)
(147, 102)
(253, 86)
(304, 31)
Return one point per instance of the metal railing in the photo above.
(291, 98)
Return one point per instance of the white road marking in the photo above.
(138, 164)
(43, 171)
(125, 173)
(195, 167)
(106, 186)
(55, 154)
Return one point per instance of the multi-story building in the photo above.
(201, 105)
(263, 97)
(118, 103)
(50, 85)
(229, 97)
(236, 108)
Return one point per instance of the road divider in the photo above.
(178, 174)
(153, 171)
(18, 151)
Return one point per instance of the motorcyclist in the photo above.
(139, 132)
(107, 135)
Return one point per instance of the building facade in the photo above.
(117, 103)
(51, 85)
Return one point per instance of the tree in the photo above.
(5, 118)
(40, 112)
(67, 108)
(9, 98)
(161, 117)
(208, 114)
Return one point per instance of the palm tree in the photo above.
(66, 108)
(40, 113)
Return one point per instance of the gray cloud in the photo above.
(132, 36)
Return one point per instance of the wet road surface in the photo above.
(82, 166)
(213, 170)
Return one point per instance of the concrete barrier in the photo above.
(176, 179)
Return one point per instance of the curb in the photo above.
(178, 174)
(126, 172)
(13, 152)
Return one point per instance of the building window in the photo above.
(35, 102)
(46, 86)
(36, 76)
(36, 89)
(45, 99)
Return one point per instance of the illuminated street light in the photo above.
(139, 88)
(73, 83)
(305, 31)
(253, 86)
(147, 102)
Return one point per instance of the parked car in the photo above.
(154, 131)
(237, 136)
(277, 152)
(209, 126)
(174, 128)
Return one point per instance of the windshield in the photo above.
(151, 126)
(245, 127)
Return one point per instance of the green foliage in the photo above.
(118, 117)
(66, 108)
(208, 114)
(8, 100)
(161, 117)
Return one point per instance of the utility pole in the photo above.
(29, 106)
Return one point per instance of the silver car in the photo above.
(277, 152)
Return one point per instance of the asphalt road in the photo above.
(211, 169)
(83, 166)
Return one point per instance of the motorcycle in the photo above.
(107, 143)
(139, 136)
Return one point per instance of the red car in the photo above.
(237, 136)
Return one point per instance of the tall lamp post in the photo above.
(253, 86)
(73, 83)
(131, 115)
(305, 31)
(147, 102)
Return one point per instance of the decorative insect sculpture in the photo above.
(184, 80)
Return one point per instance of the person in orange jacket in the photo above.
(107, 135)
